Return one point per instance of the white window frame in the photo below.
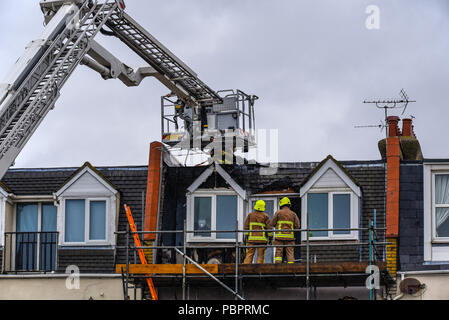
(4, 198)
(436, 239)
(87, 241)
(213, 194)
(438, 252)
(354, 214)
(2, 219)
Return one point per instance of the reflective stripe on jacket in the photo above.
(285, 219)
(257, 221)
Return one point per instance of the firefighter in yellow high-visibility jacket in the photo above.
(257, 222)
(285, 219)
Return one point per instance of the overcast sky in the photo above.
(311, 62)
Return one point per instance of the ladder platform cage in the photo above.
(231, 120)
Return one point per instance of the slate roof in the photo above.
(27, 182)
(131, 182)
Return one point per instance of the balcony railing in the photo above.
(30, 251)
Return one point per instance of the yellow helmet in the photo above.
(285, 202)
(260, 206)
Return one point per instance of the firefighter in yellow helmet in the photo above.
(285, 219)
(257, 222)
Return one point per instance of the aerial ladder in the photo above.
(31, 89)
(192, 114)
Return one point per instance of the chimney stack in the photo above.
(393, 155)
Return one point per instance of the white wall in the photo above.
(54, 288)
(437, 287)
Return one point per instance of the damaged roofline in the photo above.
(217, 168)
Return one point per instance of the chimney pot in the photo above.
(407, 128)
(393, 128)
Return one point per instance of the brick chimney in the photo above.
(396, 147)
(393, 157)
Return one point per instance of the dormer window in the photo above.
(89, 209)
(330, 201)
(330, 210)
(214, 209)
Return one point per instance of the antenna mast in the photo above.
(391, 104)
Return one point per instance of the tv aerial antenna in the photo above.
(388, 105)
(381, 126)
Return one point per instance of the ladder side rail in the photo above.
(153, 52)
(24, 89)
(74, 49)
(40, 73)
(65, 64)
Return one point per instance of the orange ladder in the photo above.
(143, 260)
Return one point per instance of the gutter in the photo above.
(16, 198)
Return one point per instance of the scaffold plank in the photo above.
(323, 268)
(166, 268)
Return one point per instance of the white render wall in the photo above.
(54, 288)
(437, 287)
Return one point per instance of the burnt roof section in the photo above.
(289, 176)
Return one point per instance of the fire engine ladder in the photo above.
(138, 244)
(36, 96)
(173, 73)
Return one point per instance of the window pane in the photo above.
(97, 220)
(26, 243)
(342, 213)
(74, 220)
(27, 217)
(226, 216)
(317, 208)
(202, 216)
(442, 189)
(442, 222)
(49, 241)
(49, 217)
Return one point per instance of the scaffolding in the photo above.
(371, 270)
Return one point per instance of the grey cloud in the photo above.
(312, 63)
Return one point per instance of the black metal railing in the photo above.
(30, 251)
